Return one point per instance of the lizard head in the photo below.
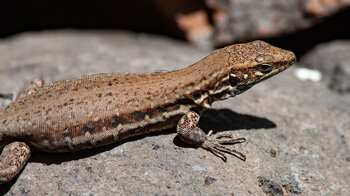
(253, 62)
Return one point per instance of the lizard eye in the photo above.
(265, 68)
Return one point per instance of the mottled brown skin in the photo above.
(99, 109)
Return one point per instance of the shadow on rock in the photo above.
(225, 119)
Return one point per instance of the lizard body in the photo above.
(100, 109)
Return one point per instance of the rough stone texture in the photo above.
(333, 60)
(297, 132)
(340, 80)
(236, 20)
(217, 22)
(207, 23)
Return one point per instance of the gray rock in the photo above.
(297, 132)
(333, 60)
(236, 20)
(340, 80)
(243, 20)
(219, 22)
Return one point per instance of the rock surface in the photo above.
(216, 22)
(341, 78)
(237, 20)
(333, 60)
(298, 133)
(206, 23)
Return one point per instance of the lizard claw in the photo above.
(214, 143)
(225, 137)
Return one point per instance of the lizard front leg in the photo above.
(188, 131)
(30, 88)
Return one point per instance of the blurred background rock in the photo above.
(297, 25)
(206, 23)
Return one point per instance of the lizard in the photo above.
(99, 109)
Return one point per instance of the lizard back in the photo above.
(98, 109)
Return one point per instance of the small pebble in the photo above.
(305, 74)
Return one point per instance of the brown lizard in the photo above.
(100, 109)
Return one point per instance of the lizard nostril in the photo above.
(233, 80)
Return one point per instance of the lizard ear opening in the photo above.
(233, 79)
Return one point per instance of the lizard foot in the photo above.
(214, 143)
(188, 131)
(13, 158)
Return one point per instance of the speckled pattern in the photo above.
(99, 109)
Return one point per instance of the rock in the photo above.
(236, 20)
(191, 18)
(297, 132)
(270, 187)
(305, 74)
(340, 80)
(206, 23)
(333, 60)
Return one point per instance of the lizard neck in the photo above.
(206, 81)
